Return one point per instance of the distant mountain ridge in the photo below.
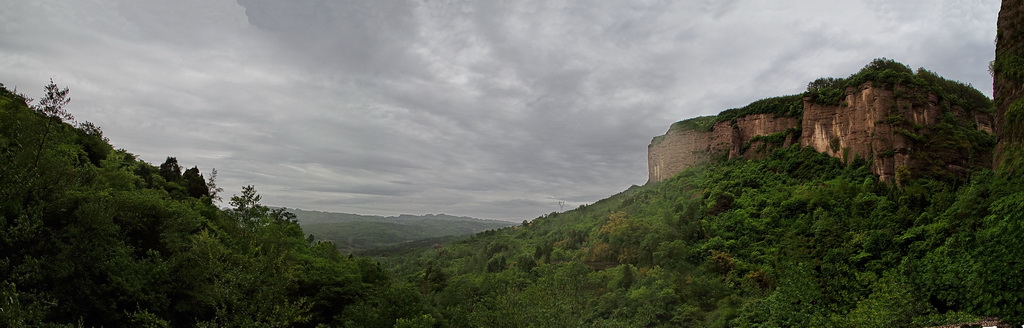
(354, 233)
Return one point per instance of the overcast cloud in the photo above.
(480, 108)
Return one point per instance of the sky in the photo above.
(490, 109)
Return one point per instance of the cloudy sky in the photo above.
(492, 109)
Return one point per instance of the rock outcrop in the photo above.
(909, 125)
(1008, 87)
(892, 128)
(676, 150)
(748, 136)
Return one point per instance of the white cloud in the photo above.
(489, 109)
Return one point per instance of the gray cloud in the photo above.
(480, 108)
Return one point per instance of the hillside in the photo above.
(884, 199)
(353, 233)
(867, 201)
(796, 239)
(91, 236)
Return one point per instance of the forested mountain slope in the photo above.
(789, 237)
(795, 240)
(91, 236)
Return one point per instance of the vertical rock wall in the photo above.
(860, 127)
(1008, 87)
(898, 130)
(679, 149)
(675, 151)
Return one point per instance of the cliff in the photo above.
(1008, 87)
(904, 124)
(899, 130)
(748, 136)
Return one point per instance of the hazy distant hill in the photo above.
(353, 232)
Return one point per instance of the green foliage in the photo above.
(959, 94)
(797, 239)
(700, 124)
(888, 73)
(93, 237)
(827, 91)
(771, 141)
(783, 106)
(1009, 66)
(1013, 119)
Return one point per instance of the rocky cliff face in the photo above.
(675, 151)
(748, 136)
(897, 129)
(1008, 87)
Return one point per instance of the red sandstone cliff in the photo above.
(891, 128)
(682, 148)
(898, 130)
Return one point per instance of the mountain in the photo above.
(353, 233)
(867, 201)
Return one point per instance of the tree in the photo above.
(211, 186)
(195, 185)
(170, 170)
(53, 102)
(247, 209)
(52, 106)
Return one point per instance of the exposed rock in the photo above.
(889, 127)
(986, 322)
(675, 151)
(1008, 87)
(899, 130)
(682, 148)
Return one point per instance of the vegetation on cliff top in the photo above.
(889, 74)
(783, 106)
(882, 72)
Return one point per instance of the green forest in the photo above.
(798, 239)
(93, 237)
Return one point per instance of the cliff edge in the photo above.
(904, 123)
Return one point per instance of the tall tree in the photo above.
(51, 105)
(170, 170)
(211, 186)
(194, 183)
